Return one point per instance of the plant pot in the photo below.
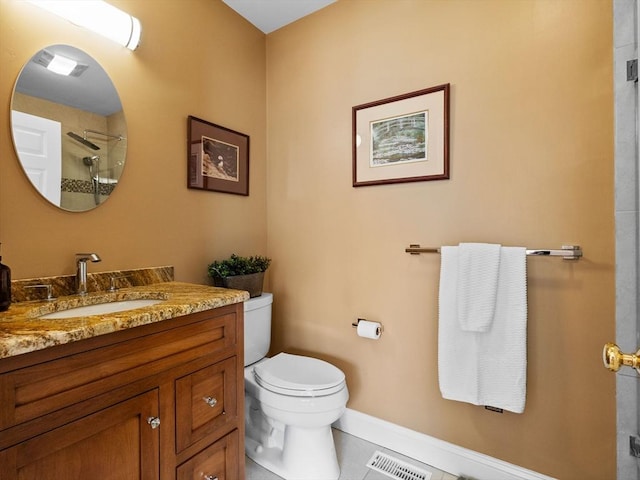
(251, 283)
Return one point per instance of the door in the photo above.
(626, 108)
(636, 401)
(38, 142)
(117, 443)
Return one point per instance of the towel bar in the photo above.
(567, 252)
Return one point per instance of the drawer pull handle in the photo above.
(210, 401)
(154, 422)
(210, 477)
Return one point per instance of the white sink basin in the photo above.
(102, 308)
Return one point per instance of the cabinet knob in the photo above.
(210, 401)
(154, 422)
(210, 477)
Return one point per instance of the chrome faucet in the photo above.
(81, 271)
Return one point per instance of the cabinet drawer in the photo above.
(206, 400)
(219, 461)
(33, 391)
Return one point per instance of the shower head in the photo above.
(83, 141)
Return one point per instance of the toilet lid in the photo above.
(299, 376)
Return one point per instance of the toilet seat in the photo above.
(299, 376)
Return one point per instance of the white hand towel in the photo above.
(485, 368)
(478, 265)
(457, 350)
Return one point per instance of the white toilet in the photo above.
(290, 403)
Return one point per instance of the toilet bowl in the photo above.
(289, 410)
(290, 403)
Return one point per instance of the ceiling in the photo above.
(270, 15)
(93, 91)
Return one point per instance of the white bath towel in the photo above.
(485, 368)
(478, 265)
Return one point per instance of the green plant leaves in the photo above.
(237, 265)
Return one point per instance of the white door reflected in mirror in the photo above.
(38, 142)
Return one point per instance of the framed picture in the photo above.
(217, 158)
(402, 139)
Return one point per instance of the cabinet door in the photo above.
(206, 400)
(217, 462)
(116, 443)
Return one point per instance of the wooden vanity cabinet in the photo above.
(158, 402)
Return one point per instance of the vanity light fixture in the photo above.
(98, 16)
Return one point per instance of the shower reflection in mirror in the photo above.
(69, 131)
(103, 178)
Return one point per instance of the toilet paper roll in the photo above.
(369, 329)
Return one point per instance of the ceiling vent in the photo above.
(44, 58)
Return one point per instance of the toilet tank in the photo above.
(257, 327)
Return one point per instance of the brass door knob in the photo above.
(613, 358)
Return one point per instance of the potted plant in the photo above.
(240, 273)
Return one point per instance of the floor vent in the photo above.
(394, 468)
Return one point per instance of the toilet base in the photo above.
(307, 454)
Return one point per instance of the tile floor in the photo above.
(353, 455)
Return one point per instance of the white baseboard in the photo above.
(437, 453)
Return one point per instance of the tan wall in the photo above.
(531, 164)
(197, 58)
(531, 153)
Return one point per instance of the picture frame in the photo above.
(217, 158)
(402, 139)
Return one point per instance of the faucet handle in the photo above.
(49, 288)
(113, 279)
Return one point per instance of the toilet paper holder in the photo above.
(355, 324)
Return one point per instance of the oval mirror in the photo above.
(69, 129)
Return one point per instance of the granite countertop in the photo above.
(21, 331)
